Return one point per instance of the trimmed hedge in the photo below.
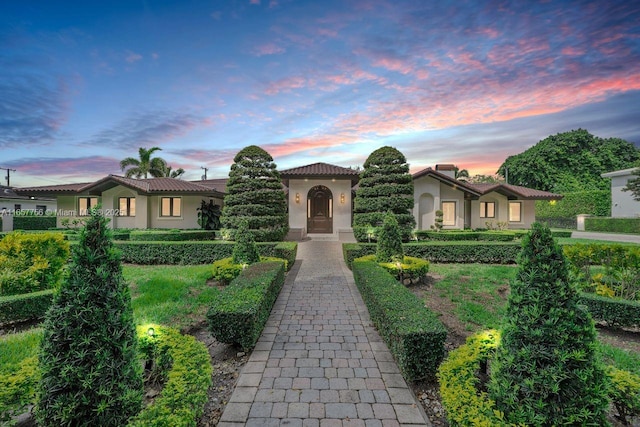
(561, 233)
(568, 223)
(614, 312)
(204, 252)
(172, 236)
(239, 313)
(612, 225)
(18, 308)
(445, 252)
(499, 236)
(33, 222)
(413, 333)
(595, 202)
(182, 400)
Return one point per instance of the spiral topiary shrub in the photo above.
(245, 250)
(546, 370)
(90, 373)
(389, 247)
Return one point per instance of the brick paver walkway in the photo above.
(319, 362)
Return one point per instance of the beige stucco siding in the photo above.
(189, 213)
(298, 210)
(428, 195)
(622, 203)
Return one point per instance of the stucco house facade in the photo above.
(319, 196)
(12, 203)
(622, 203)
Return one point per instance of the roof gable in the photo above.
(321, 171)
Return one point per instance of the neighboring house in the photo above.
(12, 203)
(132, 203)
(319, 196)
(622, 203)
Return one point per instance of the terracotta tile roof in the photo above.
(319, 169)
(52, 189)
(218, 184)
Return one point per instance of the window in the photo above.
(170, 206)
(127, 206)
(41, 209)
(487, 209)
(448, 213)
(17, 207)
(515, 212)
(85, 204)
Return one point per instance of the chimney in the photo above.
(449, 170)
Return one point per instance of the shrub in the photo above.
(19, 308)
(209, 215)
(614, 312)
(88, 358)
(18, 388)
(414, 334)
(255, 194)
(182, 400)
(594, 202)
(548, 345)
(409, 269)
(385, 184)
(240, 312)
(245, 250)
(160, 236)
(389, 246)
(625, 393)
(33, 222)
(31, 262)
(500, 236)
(225, 270)
(612, 225)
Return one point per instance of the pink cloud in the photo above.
(572, 51)
(133, 57)
(256, 2)
(268, 49)
(286, 85)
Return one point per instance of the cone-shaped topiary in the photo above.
(389, 246)
(91, 374)
(245, 250)
(385, 184)
(546, 371)
(255, 194)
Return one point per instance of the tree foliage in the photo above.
(91, 374)
(255, 194)
(169, 172)
(245, 250)
(546, 370)
(633, 185)
(209, 215)
(389, 246)
(569, 161)
(385, 185)
(144, 165)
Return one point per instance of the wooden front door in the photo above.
(320, 210)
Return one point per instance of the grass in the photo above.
(477, 292)
(16, 347)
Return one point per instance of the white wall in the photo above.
(622, 203)
(429, 192)
(341, 211)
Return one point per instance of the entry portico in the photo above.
(320, 200)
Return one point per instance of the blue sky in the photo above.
(84, 84)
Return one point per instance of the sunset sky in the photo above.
(84, 84)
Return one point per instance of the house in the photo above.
(622, 203)
(319, 196)
(12, 203)
(132, 203)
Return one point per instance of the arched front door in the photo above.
(319, 210)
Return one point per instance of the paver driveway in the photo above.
(319, 362)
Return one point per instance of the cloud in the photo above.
(150, 128)
(256, 2)
(268, 49)
(286, 85)
(62, 170)
(133, 57)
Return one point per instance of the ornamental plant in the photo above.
(245, 250)
(385, 184)
(389, 246)
(546, 370)
(88, 356)
(255, 194)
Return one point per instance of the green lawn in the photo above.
(478, 295)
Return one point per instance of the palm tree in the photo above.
(461, 174)
(145, 165)
(170, 173)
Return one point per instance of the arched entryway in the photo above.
(319, 210)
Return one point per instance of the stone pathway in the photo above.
(319, 361)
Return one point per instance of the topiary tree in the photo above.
(389, 246)
(385, 185)
(88, 359)
(255, 194)
(546, 370)
(245, 250)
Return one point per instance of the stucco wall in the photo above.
(528, 213)
(341, 211)
(428, 195)
(622, 203)
(188, 219)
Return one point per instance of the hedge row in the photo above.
(614, 312)
(596, 202)
(612, 225)
(568, 223)
(239, 313)
(173, 236)
(36, 222)
(414, 334)
(445, 252)
(500, 236)
(204, 252)
(19, 308)
(182, 400)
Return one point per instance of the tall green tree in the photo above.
(461, 174)
(91, 375)
(255, 194)
(169, 172)
(546, 371)
(569, 161)
(144, 165)
(633, 185)
(385, 185)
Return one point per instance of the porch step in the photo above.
(323, 237)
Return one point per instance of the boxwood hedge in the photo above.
(18, 308)
(614, 312)
(172, 236)
(413, 333)
(612, 225)
(239, 313)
